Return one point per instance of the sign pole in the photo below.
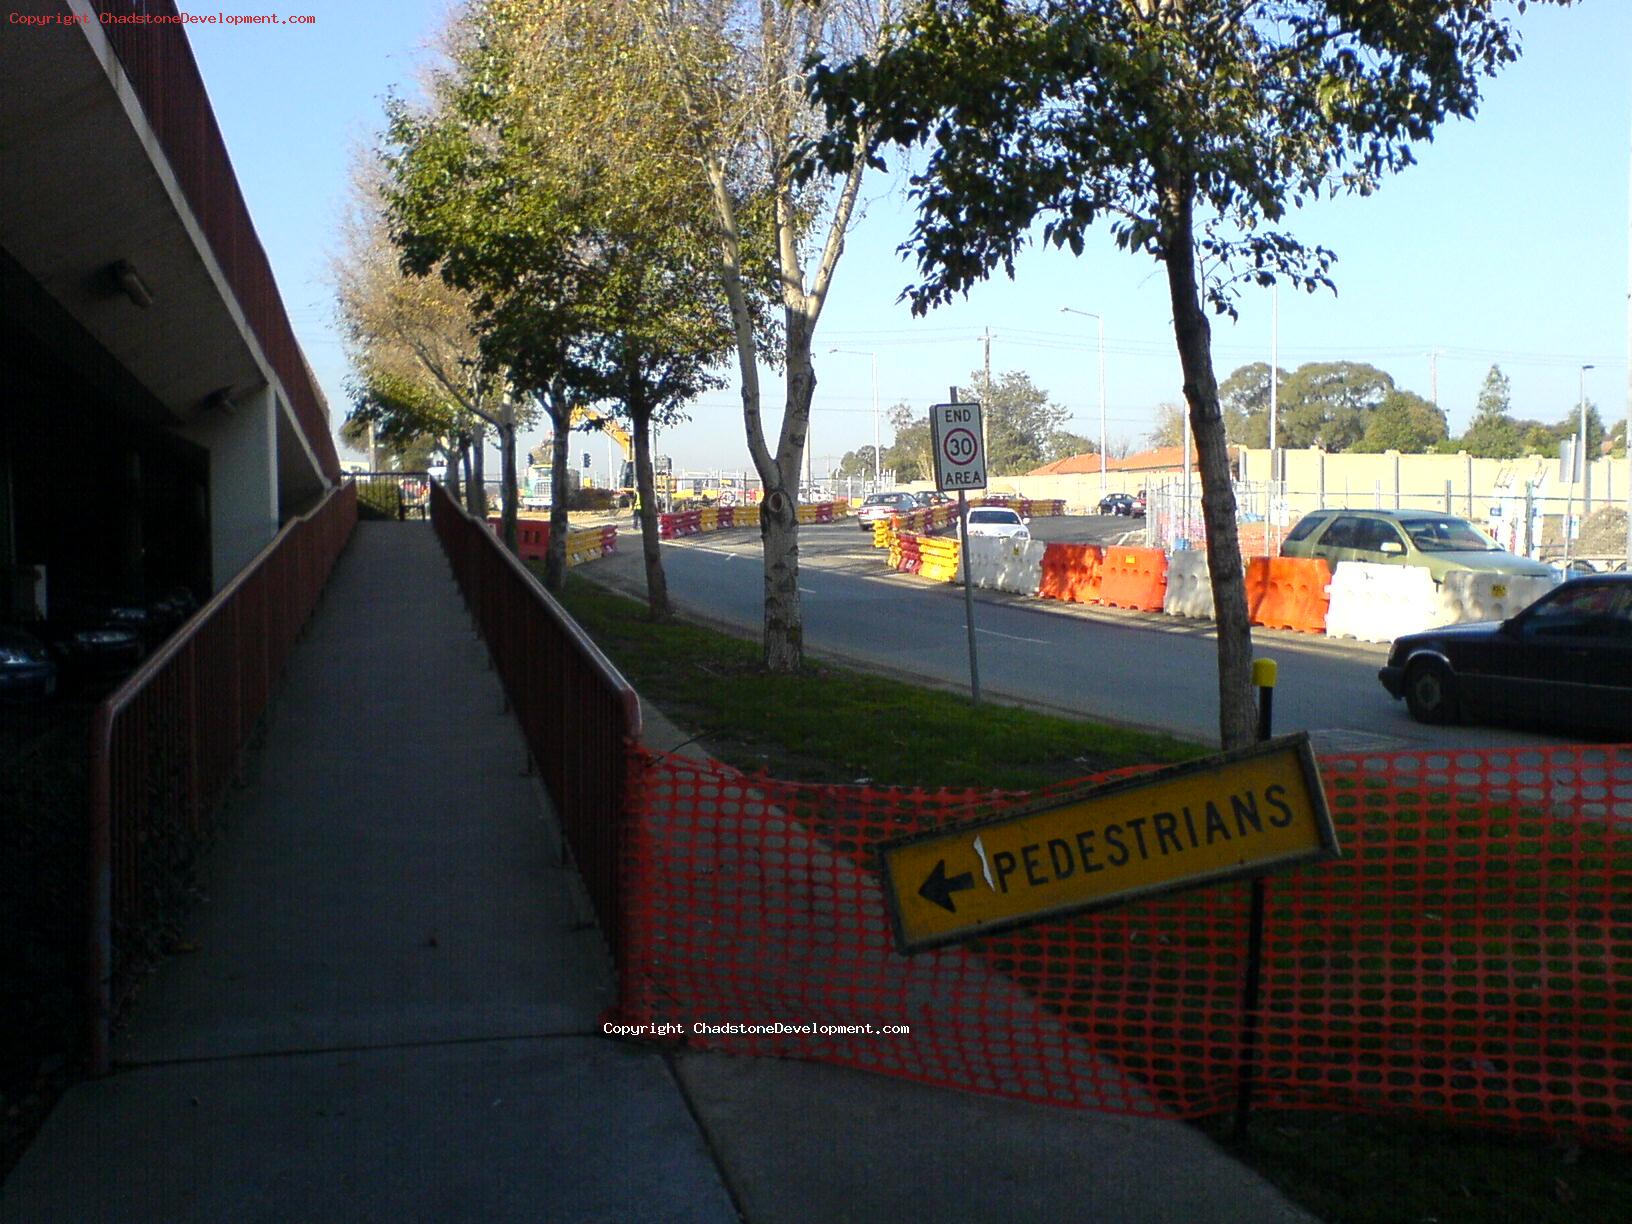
(968, 594)
(1263, 675)
(956, 432)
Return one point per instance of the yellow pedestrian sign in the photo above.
(1239, 814)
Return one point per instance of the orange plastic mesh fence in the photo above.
(1469, 957)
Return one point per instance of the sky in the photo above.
(1506, 244)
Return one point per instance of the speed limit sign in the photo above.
(960, 462)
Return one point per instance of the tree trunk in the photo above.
(476, 491)
(451, 452)
(1237, 717)
(507, 463)
(779, 512)
(657, 582)
(779, 536)
(464, 453)
(555, 557)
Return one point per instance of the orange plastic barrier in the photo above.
(1288, 592)
(1071, 572)
(532, 536)
(1133, 578)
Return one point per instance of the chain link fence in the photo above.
(1561, 530)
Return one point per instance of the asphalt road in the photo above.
(1144, 670)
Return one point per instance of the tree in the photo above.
(1169, 429)
(1493, 434)
(1495, 394)
(1329, 403)
(1190, 126)
(856, 464)
(1243, 398)
(741, 72)
(1403, 422)
(654, 326)
(913, 454)
(493, 210)
(1020, 420)
(1539, 439)
(418, 379)
(1570, 427)
(494, 187)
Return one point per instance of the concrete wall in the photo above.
(1392, 480)
(243, 448)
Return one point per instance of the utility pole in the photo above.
(1586, 458)
(1099, 321)
(1433, 376)
(1274, 373)
(984, 448)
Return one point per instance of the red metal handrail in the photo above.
(578, 715)
(165, 743)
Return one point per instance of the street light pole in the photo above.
(1100, 320)
(1274, 369)
(878, 453)
(878, 456)
(1586, 459)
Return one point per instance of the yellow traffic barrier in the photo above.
(584, 544)
(883, 533)
(940, 558)
(708, 518)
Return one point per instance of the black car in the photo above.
(27, 671)
(96, 642)
(1567, 658)
(1122, 503)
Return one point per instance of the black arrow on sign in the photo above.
(939, 889)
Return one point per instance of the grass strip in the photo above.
(831, 724)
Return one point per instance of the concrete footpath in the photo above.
(393, 1011)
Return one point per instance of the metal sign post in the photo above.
(960, 464)
(1263, 675)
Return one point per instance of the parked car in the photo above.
(170, 611)
(1567, 658)
(883, 505)
(27, 670)
(1439, 543)
(1126, 504)
(91, 642)
(999, 522)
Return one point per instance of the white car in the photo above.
(999, 522)
(883, 505)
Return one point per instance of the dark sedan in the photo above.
(1125, 504)
(1567, 658)
(27, 670)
